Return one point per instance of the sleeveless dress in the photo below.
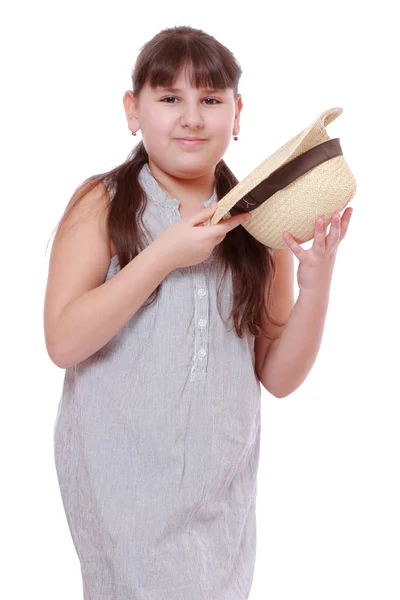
(156, 442)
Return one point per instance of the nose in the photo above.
(191, 115)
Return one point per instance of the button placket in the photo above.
(201, 315)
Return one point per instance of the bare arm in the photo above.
(290, 358)
(83, 312)
(88, 322)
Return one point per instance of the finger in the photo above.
(345, 222)
(318, 244)
(203, 215)
(333, 238)
(289, 240)
(232, 222)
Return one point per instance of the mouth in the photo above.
(190, 141)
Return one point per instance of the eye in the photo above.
(214, 100)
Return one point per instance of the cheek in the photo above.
(221, 134)
(156, 120)
(156, 132)
(222, 126)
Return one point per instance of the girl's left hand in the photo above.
(316, 264)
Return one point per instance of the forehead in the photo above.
(185, 80)
(180, 90)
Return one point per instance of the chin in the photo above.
(190, 171)
(196, 164)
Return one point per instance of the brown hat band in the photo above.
(292, 170)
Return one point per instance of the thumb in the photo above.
(204, 214)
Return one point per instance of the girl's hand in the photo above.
(191, 240)
(316, 264)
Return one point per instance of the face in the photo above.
(165, 116)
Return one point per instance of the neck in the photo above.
(197, 189)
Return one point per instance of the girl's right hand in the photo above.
(188, 242)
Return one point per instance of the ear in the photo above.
(131, 110)
(239, 106)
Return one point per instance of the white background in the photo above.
(328, 487)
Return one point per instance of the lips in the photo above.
(190, 142)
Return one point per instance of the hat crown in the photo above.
(320, 183)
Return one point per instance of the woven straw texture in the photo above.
(323, 190)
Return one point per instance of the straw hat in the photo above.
(303, 180)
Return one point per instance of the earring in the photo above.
(133, 132)
(235, 137)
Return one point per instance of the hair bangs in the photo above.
(202, 68)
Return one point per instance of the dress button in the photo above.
(202, 322)
(202, 352)
(201, 292)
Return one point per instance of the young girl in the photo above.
(157, 434)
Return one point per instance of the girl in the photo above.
(157, 433)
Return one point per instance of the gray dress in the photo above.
(156, 443)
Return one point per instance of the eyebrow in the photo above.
(178, 90)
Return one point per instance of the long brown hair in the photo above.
(251, 263)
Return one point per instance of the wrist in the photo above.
(163, 256)
(316, 294)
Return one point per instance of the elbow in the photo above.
(56, 356)
(276, 390)
(60, 364)
(53, 347)
(58, 348)
(281, 394)
(57, 360)
(279, 385)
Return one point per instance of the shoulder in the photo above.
(90, 200)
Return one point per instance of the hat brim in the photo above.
(306, 139)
